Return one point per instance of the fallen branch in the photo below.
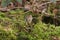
(6, 9)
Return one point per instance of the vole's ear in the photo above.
(55, 11)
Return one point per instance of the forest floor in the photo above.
(13, 27)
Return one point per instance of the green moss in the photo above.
(13, 27)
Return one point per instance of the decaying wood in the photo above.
(4, 9)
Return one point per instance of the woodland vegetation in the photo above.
(29, 20)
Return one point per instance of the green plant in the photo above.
(5, 3)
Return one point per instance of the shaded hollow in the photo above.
(51, 20)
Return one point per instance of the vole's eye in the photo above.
(28, 0)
